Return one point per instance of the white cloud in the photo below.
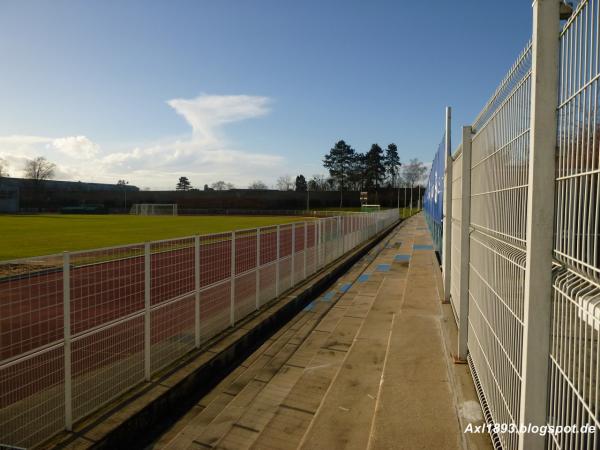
(78, 147)
(205, 155)
(207, 113)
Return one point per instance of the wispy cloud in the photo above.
(204, 155)
(208, 113)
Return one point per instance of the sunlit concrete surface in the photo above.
(369, 364)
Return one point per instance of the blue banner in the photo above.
(434, 197)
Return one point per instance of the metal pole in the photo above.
(305, 246)
(339, 236)
(319, 238)
(465, 245)
(258, 268)
(316, 246)
(540, 220)
(147, 287)
(447, 209)
(67, 340)
(232, 289)
(277, 266)
(293, 254)
(197, 286)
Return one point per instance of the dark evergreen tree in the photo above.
(358, 170)
(392, 164)
(301, 185)
(183, 184)
(338, 162)
(375, 170)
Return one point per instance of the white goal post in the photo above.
(154, 209)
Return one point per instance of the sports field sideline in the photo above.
(35, 235)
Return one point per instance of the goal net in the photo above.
(154, 209)
(370, 208)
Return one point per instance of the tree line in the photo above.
(349, 170)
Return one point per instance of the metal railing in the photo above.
(80, 328)
(527, 301)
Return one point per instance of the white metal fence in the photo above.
(532, 334)
(80, 328)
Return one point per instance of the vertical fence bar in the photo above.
(258, 268)
(340, 241)
(316, 247)
(465, 224)
(197, 290)
(319, 239)
(277, 265)
(232, 289)
(147, 286)
(447, 209)
(540, 221)
(305, 246)
(67, 340)
(293, 278)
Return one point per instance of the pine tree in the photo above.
(183, 184)
(375, 170)
(338, 162)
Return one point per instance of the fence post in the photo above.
(465, 244)
(447, 209)
(316, 246)
(540, 220)
(340, 242)
(67, 340)
(258, 268)
(277, 266)
(147, 287)
(292, 275)
(320, 243)
(197, 286)
(232, 288)
(305, 247)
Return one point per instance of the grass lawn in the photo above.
(36, 235)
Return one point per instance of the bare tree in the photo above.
(285, 183)
(318, 183)
(3, 168)
(222, 186)
(258, 185)
(39, 169)
(414, 172)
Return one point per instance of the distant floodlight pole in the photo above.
(124, 183)
(397, 181)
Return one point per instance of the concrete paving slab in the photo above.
(367, 366)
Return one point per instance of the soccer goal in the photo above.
(370, 208)
(154, 209)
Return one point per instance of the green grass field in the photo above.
(36, 235)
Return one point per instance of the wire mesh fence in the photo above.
(499, 243)
(574, 351)
(79, 329)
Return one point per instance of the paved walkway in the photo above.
(367, 365)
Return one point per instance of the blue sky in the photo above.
(241, 90)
